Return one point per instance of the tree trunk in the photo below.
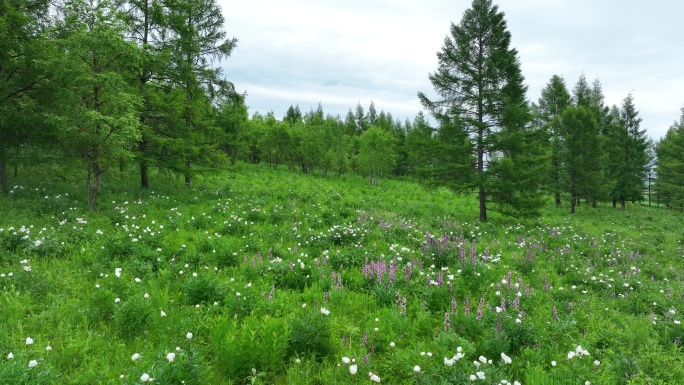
(622, 204)
(614, 202)
(3, 176)
(144, 182)
(96, 184)
(558, 199)
(480, 170)
(483, 204)
(573, 202)
(187, 172)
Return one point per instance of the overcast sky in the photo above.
(340, 53)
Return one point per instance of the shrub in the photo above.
(310, 335)
(256, 342)
(101, 306)
(132, 318)
(185, 369)
(202, 289)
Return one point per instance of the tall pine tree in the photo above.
(627, 154)
(97, 114)
(590, 98)
(554, 99)
(479, 84)
(196, 39)
(580, 169)
(22, 49)
(146, 25)
(670, 165)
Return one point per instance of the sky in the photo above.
(341, 53)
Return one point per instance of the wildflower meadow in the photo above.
(261, 276)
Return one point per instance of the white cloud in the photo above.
(340, 53)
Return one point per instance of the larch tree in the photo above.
(554, 99)
(670, 166)
(22, 50)
(580, 169)
(350, 123)
(361, 118)
(419, 144)
(145, 22)
(479, 84)
(590, 98)
(97, 114)
(293, 115)
(627, 154)
(372, 115)
(196, 39)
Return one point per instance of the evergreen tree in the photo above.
(628, 159)
(350, 123)
(579, 131)
(372, 117)
(293, 115)
(581, 94)
(361, 119)
(591, 99)
(22, 50)
(383, 122)
(407, 126)
(401, 163)
(146, 25)
(97, 115)
(670, 165)
(418, 140)
(196, 39)
(452, 159)
(554, 99)
(480, 84)
(233, 121)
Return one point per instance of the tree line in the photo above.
(113, 83)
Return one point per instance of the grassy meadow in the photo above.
(270, 277)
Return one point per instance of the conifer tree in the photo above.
(579, 130)
(146, 25)
(97, 113)
(22, 49)
(479, 84)
(554, 99)
(361, 119)
(293, 115)
(627, 154)
(590, 98)
(670, 165)
(196, 39)
(350, 123)
(372, 115)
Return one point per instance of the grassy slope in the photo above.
(250, 232)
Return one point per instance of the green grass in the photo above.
(246, 260)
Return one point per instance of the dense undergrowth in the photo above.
(263, 276)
